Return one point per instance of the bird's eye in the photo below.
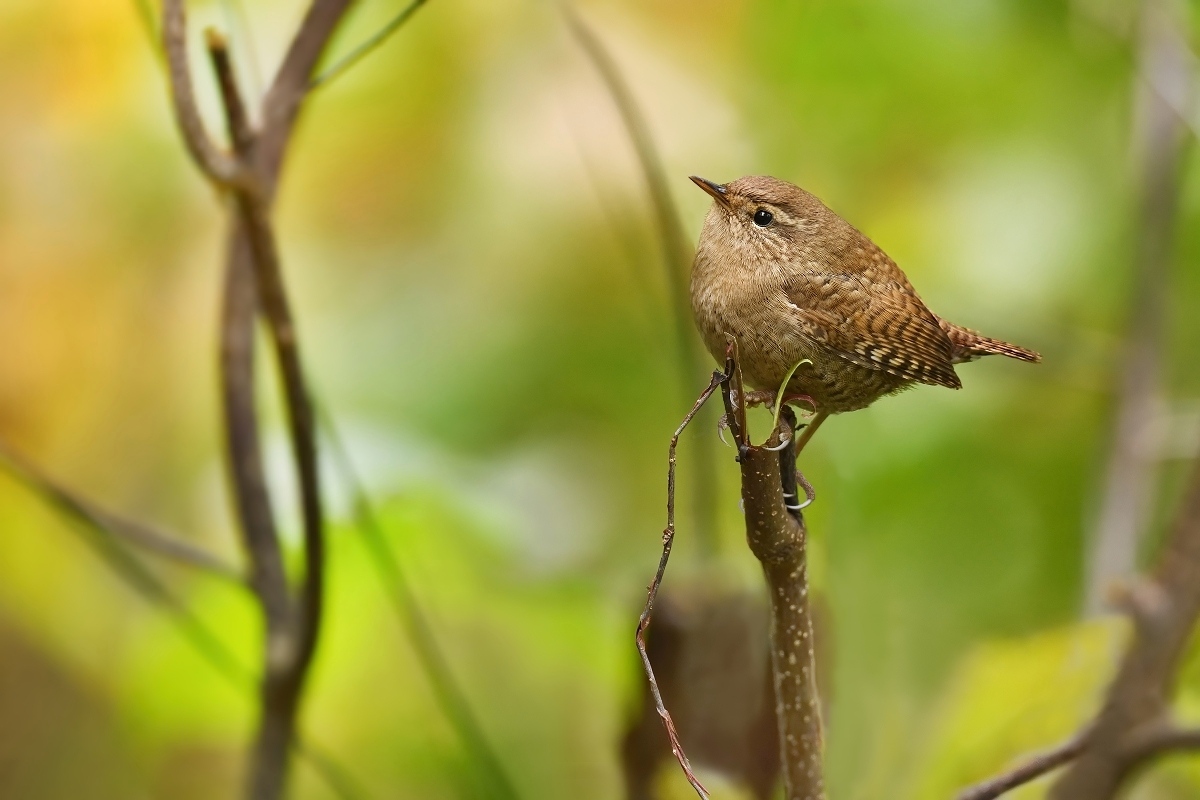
(762, 218)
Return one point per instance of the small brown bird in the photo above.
(794, 282)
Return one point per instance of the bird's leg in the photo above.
(793, 478)
(752, 399)
(788, 473)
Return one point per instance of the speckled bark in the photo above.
(778, 540)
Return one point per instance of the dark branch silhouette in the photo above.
(291, 635)
(218, 165)
(255, 285)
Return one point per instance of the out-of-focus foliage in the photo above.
(482, 308)
(1010, 698)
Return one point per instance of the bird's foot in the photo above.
(810, 494)
(723, 424)
(760, 398)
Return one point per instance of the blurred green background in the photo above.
(483, 308)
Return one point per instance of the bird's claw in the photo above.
(779, 446)
(793, 399)
(723, 424)
(810, 494)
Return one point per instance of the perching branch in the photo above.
(778, 539)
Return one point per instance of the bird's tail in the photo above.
(970, 345)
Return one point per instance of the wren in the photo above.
(795, 284)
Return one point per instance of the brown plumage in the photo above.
(791, 280)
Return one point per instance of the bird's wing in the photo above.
(877, 325)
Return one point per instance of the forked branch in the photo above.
(1165, 607)
(1134, 724)
(255, 282)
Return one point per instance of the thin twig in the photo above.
(212, 161)
(237, 118)
(248, 475)
(668, 539)
(137, 533)
(283, 100)
(290, 670)
(195, 632)
(367, 46)
(676, 256)
(1030, 769)
(107, 534)
(448, 694)
(239, 26)
(279, 691)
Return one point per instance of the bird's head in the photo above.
(760, 218)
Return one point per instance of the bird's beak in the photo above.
(717, 190)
